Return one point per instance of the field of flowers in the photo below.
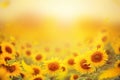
(36, 47)
(91, 58)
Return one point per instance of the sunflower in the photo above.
(1, 50)
(36, 70)
(53, 66)
(3, 75)
(98, 57)
(38, 77)
(70, 61)
(82, 65)
(63, 72)
(2, 62)
(74, 77)
(5, 58)
(109, 73)
(37, 58)
(104, 37)
(13, 70)
(27, 52)
(98, 44)
(117, 65)
(7, 48)
(24, 75)
(64, 68)
(75, 54)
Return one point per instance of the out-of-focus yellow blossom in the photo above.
(109, 73)
(38, 77)
(74, 77)
(116, 45)
(63, 72)
(70, 62)
(26, 67)
(3, 74)
(117, 65)
(38, 57)
(36, 70)
(5, 3)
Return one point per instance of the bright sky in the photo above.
(65, 9)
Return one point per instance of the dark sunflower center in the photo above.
(71, 62)
(13, 43)
(75, 54)
(22, 75)
(97, 57)
(38, 57)
(8, 49)
(119, 65)
(53, 66)
(0, 50)
(75, 76)
(63, 69)
(104, 39)
(11, 68)
(84, 64)
(119, 49)
(39, 78)
(17, 54)
(36, 71)
(98, 46)
(28, 53)
(7, 58)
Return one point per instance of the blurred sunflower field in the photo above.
(59, 40)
